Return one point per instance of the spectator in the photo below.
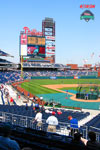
(28, 94)
(73, 125)
(59, 112)
(77, 143)
(36, 106)
(11, 101)
(38, 118)
(92, 144)
(5, 142)
(41, 99)
(34, 99)
(26, 106)
(52, 122)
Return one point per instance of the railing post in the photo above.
(3, 114)
(26, 122)
(86, 132)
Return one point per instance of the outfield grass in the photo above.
(35, 86)
(69, 88)
(66, 81)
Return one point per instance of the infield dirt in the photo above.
(57, 87)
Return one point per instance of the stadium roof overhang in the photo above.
(2, 53)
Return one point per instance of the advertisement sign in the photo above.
(50, 47)
(23, 39)
(50, 43)
(50, 38)
(23, 50)
(50, 53)
(36, 40)
(48, 33)
(48, 29)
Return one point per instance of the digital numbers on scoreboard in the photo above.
(35, 40)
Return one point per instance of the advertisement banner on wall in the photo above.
(48, 29)
(50, 43)
(24, 50)
(51, 53)
(47, 33)
(50, 38)
(50, 47)
(23, 39)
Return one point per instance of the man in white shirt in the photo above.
(52, 122)
(38, 118)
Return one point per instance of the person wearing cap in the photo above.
(5, 142)
(73, 125)
(38, 119)
(52, 122)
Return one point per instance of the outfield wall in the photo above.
(64, 77)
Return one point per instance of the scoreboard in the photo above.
(31, 40)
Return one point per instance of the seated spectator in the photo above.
(36, 106)
(52, 122)
(92, 144)
(26, 106)
(5, 142)
(59, 112)
(77, 143)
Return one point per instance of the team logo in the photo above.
(87, 15)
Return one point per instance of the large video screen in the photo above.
(36, 51)
(31, 40)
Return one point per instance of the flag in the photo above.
(92, 55)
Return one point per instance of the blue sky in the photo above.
(75, 39)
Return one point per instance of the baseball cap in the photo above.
(53, 113)
(69, 117)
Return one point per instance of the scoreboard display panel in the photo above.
(32, 40)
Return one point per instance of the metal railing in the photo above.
(62, 128)
(25, 121)
(97, 131)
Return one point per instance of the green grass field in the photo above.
(35, 86)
